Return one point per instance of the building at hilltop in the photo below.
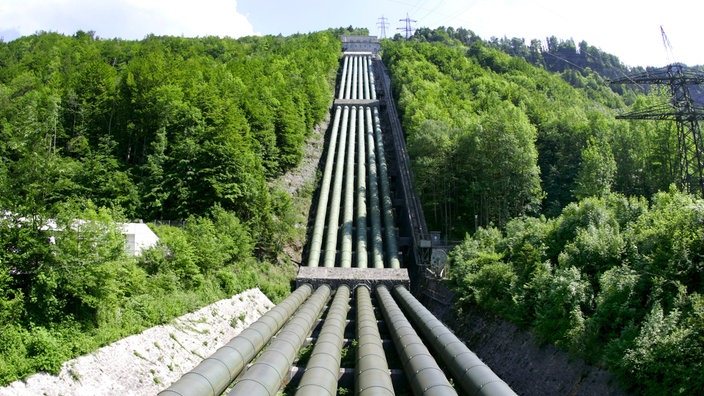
(361, 44)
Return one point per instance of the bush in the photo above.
(611, 280)
(666, 356)
(491, 287)
(45, 351)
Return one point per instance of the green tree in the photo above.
(597, 171)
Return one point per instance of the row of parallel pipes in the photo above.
(356, 130)
(316, 241)
(475, 377)
(334, 204)
(214, 374)
(296, 317)
(271, 369)
(357, 82)
(277, 338)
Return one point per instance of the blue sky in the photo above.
(629, 29)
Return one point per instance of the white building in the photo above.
(138, 237)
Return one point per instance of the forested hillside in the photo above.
(97, 131)
(549, 143)
(581, 238)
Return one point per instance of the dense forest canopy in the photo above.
(580, 236)
(94, 132)
(553, 136)
(167, 126)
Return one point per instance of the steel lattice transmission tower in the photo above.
(408, 29)
(683, 110)
(383, 24)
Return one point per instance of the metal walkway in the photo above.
(351, 323)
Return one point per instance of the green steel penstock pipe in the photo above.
(361, 79)
(213, 375)
(372, 376)
(320, 214)
(355, 65)
(266, 376)
(390, 230)
(371, 80)
(343, 82)
(334, 216)
(377, 244)
(361, 194)
(323, 368)
(475, 377)
(349, 79)
(422, 371)
(348, 212)
(367, 76)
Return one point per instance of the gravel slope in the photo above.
(146, 363)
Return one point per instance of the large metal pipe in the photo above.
(334, 218)
(348, 86)
(348, 214)
(213, 375)
(361, 194)
(372, 371)
(323, 368)
(365, 62)
(475, 377)
(422, 371)
(343, 80)
(355, 66)
(377, 242)
(319, 226)
(360, 78)
(387, 207)
(371, 78)
(266, 376)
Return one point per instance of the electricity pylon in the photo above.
(683, 110)
(383, 24)
(408, 28)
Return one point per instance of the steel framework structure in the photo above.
(684, 111)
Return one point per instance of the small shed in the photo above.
(138, 236)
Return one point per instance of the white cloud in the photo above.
(131, 19)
